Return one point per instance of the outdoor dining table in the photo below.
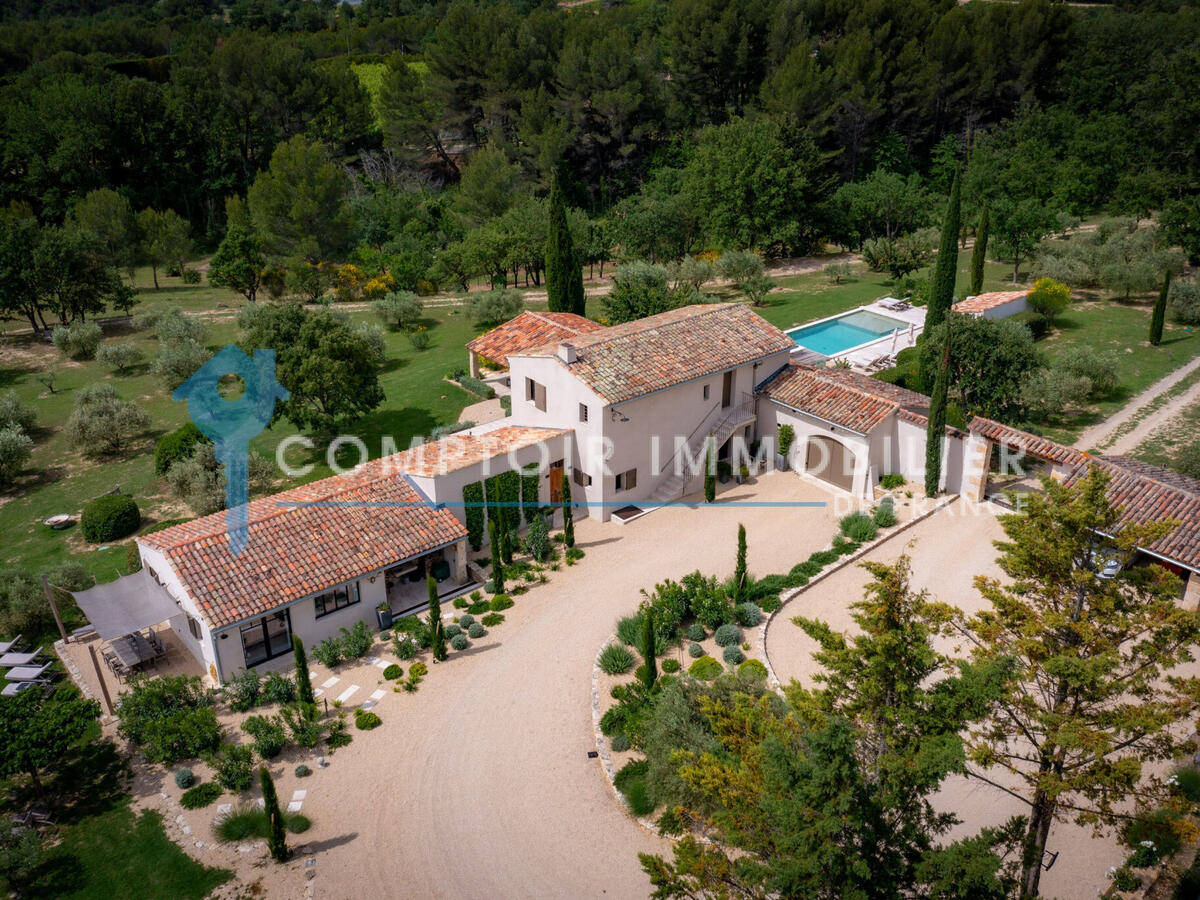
(132, 650)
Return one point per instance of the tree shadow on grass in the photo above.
(91, 782)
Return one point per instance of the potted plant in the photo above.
(743, 474)
(384, 613)
(724, 471)
(787, 435)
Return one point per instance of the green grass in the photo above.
(120, 848)
(1162, 444)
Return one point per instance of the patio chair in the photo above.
(20, 659)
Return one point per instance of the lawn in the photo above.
(1167, 440)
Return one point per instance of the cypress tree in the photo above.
(649, 654)
(564, 275)
(568, 514)
(935, 437)
(303, 681)
(941, 295)
(435, 621)
(710, 471)
(979, 253)
(506, 547)
(277, 832)
(1160, 312)
(497, 562)
(739, 570)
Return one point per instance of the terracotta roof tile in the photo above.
(843, 401)
(1032, 444)
(983, 302)
(529, 330)
(375, 517)
(646, 355)
(457, 451)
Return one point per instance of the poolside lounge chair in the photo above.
(880, 363)
(20, 659)
(29, 673)
(8, 646)
(15, 687)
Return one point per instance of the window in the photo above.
(583, 412)
(706, 392)
(193, 627)
(338, 598)
(535, 393)
(581, 478)
(153, 574)
(627, 481)
(266, 638)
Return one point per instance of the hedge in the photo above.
(475, 386)
(530, 483)
(475, 513)
(110, 518)
(510, 495)
(177, 445)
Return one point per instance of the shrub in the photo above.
(302, 771)
(16, 447)
(707, 601)
(419, 338)
(1100, 369)
(631, 782)
(629, 630)
(176, 446)
(184, 778)
(771, 603)
(451, 630)
(459, 642)
(747, 614)
(304, 722)
(400, 309)
(733, 655)
(1037, 324)
(365, 720)
(328, 652)
(178, 360)
(889, 482)
(201, 795)
(338, 735)
(1049, 297)
(278, 688)
(1184, 302)
(79, 340)
(169, 718)
(466, 620)
(670, 666)
(476, 387)
(752, 668)
(479, 607)
(110, 518)
(243, 690)
(119, 357)
(1187, 782)
(1124, 879)
(619, 743)
(885, 513)
(538, 543)
(696, 632)
(190, 276)
(858, 527)
(615, 659)
(695, 651)
(1155, 836)
(297, 823)
(269, 735)
(418, 670)
(1048, 393)
(101, 422)
(244, 821)
(728, 635)
(495, 306)
(500, 602)
(491, 620)
(232, 768)
(393, 672)
(476, 631)
(405, 648)
(15, 414)
(705, 668)
(356, 641)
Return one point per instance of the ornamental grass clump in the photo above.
(615, 659)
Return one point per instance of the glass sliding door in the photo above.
(267, 638)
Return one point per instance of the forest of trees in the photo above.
(422, 136)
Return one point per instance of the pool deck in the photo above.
(872, 355)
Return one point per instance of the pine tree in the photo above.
(435, 621)
(564, 275)
(568, 514)
(304, 686)
(277, 832)
(941, 296)
(979, 253)
(710, 471)
(935, 437)
(1160, 312)
(497, 562)
(739, 570)
(649, 651)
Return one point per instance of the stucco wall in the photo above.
(773, 414)
(1003, 311)
(201, 649)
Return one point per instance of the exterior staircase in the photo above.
(721, 423)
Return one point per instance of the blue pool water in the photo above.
(839, 335)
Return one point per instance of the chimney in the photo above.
(567, 353)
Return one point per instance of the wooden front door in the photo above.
(727, 390)
(556, 477)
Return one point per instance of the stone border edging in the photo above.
(862, 551)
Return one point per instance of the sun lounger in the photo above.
(28, 673)
(20, 659)
(15, 687)
(7, 646)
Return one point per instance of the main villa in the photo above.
(626, 414)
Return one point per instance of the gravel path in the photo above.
(1114, 435)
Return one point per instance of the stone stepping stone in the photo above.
(373, 660)
(299, 794)
(348, 693)
(294, 806)
(318, 692)
(382, 663)
(378, 695)
(224, 808)
(331, 682)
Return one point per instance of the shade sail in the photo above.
(129, 604)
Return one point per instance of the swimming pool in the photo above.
(844, 332)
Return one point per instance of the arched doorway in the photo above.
(830, 460)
